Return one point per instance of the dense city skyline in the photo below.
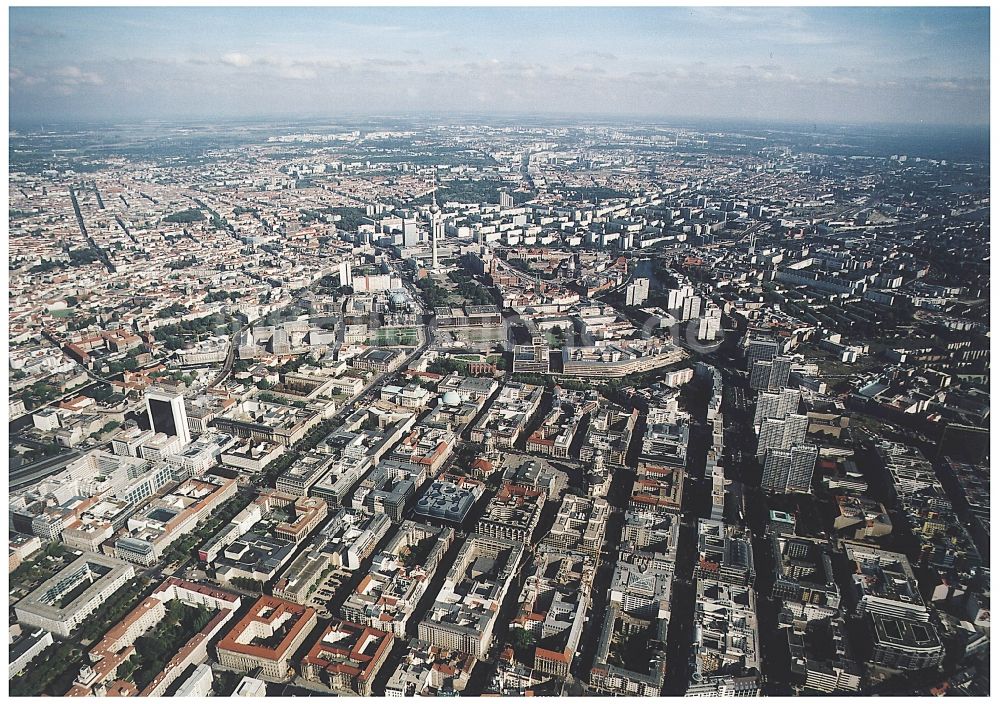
(499, 352)
(497, 409)
(860, 65)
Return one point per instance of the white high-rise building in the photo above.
(675, 298)
(167, 415)
(637, 292)
(346, 272)
(411, 233)
(710, 324)
(691, 308)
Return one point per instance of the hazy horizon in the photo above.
(344, 119)
(830, 65)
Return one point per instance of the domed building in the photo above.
(451, 399)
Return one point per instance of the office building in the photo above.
(638, 602)
(266, 421)
(25, 648)
(726, 657)
(657, 488)
(901, 635)
(58, 604)
(900, 644)
(399, 574)
(428, 670)
(803, 572)
(169, 517)
(579, 526)
(304, 472)
(650, 538)
(821, 659)
(167, 415)
(465, 611)
(266, 638)
(553, 608)
(347, 656)
(449, 498)
(533, 358)
(724, 553)
(507, 417)
(513, 513)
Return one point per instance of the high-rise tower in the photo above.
(790, 470)
(165, 408)
(437, 228)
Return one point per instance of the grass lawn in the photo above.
(405, 337)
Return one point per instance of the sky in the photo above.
(828, 65)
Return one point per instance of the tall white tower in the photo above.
(437, 228)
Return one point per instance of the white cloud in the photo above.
(240, 83)
(235, 58)
(72, 76)
(297, 73)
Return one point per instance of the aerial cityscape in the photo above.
(507, 396)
